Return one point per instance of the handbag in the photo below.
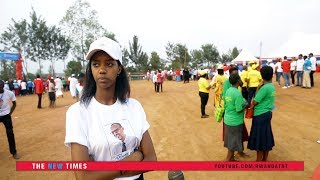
(249, 112)
(218, 115)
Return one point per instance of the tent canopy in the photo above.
(298, 43)
(244, 56)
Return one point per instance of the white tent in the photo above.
(244, 56)
(298, 43)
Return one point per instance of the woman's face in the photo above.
(104, 70)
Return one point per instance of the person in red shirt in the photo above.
(38, 83)
(286, 72)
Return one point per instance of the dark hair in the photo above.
(266, 73)
(122, 89)
(300, 55)
(234, 78)
(81, 75)
(38, 75)
(305, 57)
(285, 57)
(233, 69)
(311, 54)
(220, 71)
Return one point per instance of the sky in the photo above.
(224, 23)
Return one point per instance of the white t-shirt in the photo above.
(51, 87)
(91, 127)
(293, 65)
(5, 99)
(79, 89)
(271, 64)
(279, 68)
(313, 63)
(23, 85)
(154, 78)
(300, 63)
(58, 83)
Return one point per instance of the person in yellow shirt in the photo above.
(204, 89)
(251, 63)
(244, 79)
(254, 79)
(217, 84)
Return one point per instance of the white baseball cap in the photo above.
(111, 47)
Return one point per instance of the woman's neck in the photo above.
(105, 96)
(265, 81)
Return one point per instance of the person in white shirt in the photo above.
(271, 64)
(6, 97)
(105, 101)
(293, 66)
(58, 87)
(154, 80)
(79, 86)
(299, 69)
(313, 68)
(73, 83)
(278, 71)
(23, 86)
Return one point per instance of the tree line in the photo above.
(37, 41)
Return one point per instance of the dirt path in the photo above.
(177, 130)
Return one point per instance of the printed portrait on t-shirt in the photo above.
(122, 140)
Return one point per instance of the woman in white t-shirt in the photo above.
(279, 70)
(107, 125)
(293, 66)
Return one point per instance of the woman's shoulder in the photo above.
(75, 108)
(131, 102)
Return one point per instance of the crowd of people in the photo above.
(299, 70)
(244, 87)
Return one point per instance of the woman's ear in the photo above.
(119, 69)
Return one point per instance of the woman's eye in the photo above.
(109, 64)
(95, 64)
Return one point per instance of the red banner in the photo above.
(161, 166)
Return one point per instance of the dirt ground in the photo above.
(178, 132)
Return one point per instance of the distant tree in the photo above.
(234, 53)
(155, 61)
(196, 58)
(8, 70)
(81, 25)
(230, 55)
(59, 46)
(137, 56)
(39, 43)
(210, 54)
(178, 55)
(15, 39)
(125, 57)
(31, 76)
(73, 67)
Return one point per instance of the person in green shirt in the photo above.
(226, 86)
(233, 118)
(261, 136)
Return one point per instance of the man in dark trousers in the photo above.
(6, 97)
(38, 83)
(185, 75)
